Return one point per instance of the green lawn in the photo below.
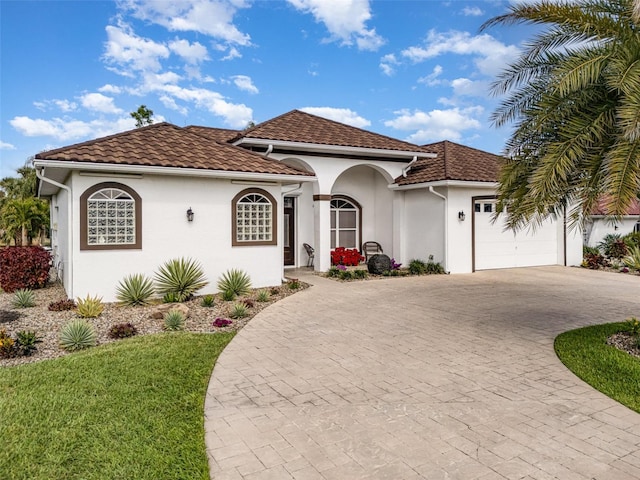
(132, 409)
(607, 369)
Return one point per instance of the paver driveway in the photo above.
(427, 377)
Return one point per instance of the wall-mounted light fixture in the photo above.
(190, 215)
(461, 216)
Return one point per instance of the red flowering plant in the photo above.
(346, 256)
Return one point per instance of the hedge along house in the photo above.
(120, 203)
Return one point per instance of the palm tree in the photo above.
(574, 97)
(22, 218)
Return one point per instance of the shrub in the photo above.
(593, 261)
(248, 302)
(274, 290)
(361, 273)
(434, 268)
(122, 330)
(345, 274)
(236, 281)
(90, 307)
(77, 334)
(171, 297)
(221, 322)
(633, 326)
(632, 239)
(207, 301)
(346, 256)
(333, 271)
(181, 276)
(294, 284)
(228, 295)
(417, 267)
(7, 345)
(238, 310)
(632, 260)
(24, 298)
(26, 342)
(173, 320)
(134, 290)
(613, 246)
(587, 249)
(263, 296)
(23, 267)
(62, 305)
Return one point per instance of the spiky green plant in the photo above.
(632, 260)
(263, 296)
(228, 295)
(24, 298)
(171, 297)
(181, 276)
(90, 307)
(294, 284)
(26, 342)
(77, 334)
(239, 310)
(207, 301)
(173, 320)
(236, 281)
(135, 289)
(417, 267)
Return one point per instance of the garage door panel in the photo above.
(496, 247)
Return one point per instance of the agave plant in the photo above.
(181, 276)
(263, 296)
(90, 307)
(173, 320)
(239, 310)
(77, 335)
(24, 298)
(236, 281)
(134, 290)
(207, 301)
(632, 260)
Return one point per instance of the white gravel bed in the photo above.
(47, 324)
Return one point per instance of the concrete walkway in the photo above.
(435, 377)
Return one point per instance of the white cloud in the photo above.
(233, 52)
(244, 83)
(436, 125)
(193, 53)
(63, 105)
(433, 78)
(342, 115)
(128, 51)
(70, 129)
(209, 17)
(472, 11)
(387, 62)
(345, 20)
(169, 102)
(98, 102)
(108, 88)
(491, 55)
(465, 87)
(6, 146)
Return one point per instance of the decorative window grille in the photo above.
(254, 218)
(111, 218)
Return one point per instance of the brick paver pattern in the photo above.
(433, 377)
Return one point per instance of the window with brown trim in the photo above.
(110, 217)
(346, 222)
(254, 216)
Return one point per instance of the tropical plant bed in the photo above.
(47, 324)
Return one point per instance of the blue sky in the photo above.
(420, 71)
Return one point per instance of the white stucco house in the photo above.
(120, 204)
(599, 225)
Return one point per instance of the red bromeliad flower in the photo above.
(346, 256)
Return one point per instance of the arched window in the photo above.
(345, 222)
(110, 218)
(254, 214)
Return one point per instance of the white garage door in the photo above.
(496, 247)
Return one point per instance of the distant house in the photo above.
(120, 204)
(599, 225)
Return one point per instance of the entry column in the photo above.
(322, 231)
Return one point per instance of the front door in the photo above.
(289, 231)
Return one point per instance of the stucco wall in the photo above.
(423, 226)
(167, 234)
(59, 235)
(602, 227)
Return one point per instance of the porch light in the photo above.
(190, 215)
(461, 216)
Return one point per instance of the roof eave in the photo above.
(445, 183)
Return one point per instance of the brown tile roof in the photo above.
(454, 162)
(166, 145)
(222, 135)
(297, 126)
(600, 209)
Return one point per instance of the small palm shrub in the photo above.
(173, 320)
(417, 267)
(228, 295)
(26, 342)
(236, 281)
(62, 305)
(263, 296)
(134, 290)
(171, 297)
(180, 276)
(24, 298)
(77, 334)
(239, 310)
(586, 249)
(613, 246)
(632, 260)
(207, 301)
(90, 307)
(122, 330)
(632, 239)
